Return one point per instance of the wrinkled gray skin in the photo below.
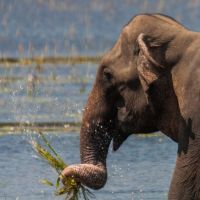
(149, 81)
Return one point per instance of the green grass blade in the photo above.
(52, 149)
(46, 182)
(58, 182)
(61, 191)
(47, 143)
(48, 157)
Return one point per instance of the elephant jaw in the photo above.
(90, 175)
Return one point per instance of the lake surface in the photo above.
(140, 169)
(143, 166)
(64, 27)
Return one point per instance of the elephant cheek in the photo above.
(122, 114)
(124, 121)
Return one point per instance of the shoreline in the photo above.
(15, 128)
(23, 127)
(50, 60)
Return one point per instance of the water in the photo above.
(57, 93)
(32, 27)
(142, 167)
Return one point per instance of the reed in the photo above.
(39, 60)
(72, 189)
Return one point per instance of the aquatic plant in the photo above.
(69, 186)
(39, 60)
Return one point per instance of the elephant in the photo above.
(148, 81)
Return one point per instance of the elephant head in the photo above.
(135, 91)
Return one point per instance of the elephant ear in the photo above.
(148, 67)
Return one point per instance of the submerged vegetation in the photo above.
(70, 187)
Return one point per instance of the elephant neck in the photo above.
(186, 82)
(186, 178)
(166, 107)
(185, 71)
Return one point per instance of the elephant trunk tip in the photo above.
(96, 177)
(92, 176)
(98, 183)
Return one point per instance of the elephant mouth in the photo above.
(118, 139)
(124, 126)
(128, 123)
(121, 133)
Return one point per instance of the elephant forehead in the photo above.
(112, 54)
(125, 73)
(122, 49)
(127, 32)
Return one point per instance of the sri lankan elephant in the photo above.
(149, 81)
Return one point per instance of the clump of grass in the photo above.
(72, 189)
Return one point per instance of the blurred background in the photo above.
(49, 54)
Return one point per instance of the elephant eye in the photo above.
(134, 84)
(107, 75)
(136, 49)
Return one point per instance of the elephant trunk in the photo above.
(95, 139)
(94, 146)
